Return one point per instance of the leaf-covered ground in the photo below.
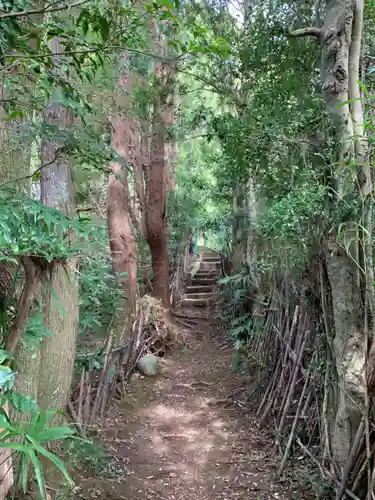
(185, 435)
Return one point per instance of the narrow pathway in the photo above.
(178, 437)
(185, 435)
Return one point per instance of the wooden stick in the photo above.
(363, 460)
(350, 460)
(102, 378)
(292, 386)
(286, 350)
(135, 341)
(323, 470)
(86, 410)
(269, 388)
(105, 393)
(74, 417)
(80, 398)
(280, 379)
(295, 423)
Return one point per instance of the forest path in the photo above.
(179, 437)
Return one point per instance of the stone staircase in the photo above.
(201, 286)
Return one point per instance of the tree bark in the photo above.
(61, 305)
(156, 187)
(349, 255)
(121, 237)
(341, 47)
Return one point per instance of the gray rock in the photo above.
(148, 365)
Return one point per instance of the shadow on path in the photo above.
(177, 437)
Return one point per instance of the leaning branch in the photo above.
(308, 31)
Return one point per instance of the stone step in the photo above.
(188, 302)
(203, 249)
(200, 289)
(209, 269)
(211, 258)
(205, 274)
(203, 296)
(203, 281)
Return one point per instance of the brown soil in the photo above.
(179, 437)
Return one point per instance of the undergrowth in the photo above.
(92, 457)
(235, 292)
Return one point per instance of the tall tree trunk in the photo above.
(61, 299)
(156, 187)
(121, 237)
(157, 235)
(15, 153)
(340, 37)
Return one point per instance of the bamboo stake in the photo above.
(299, 339)
(269, 388)
(105, 392)
(75, 419)
(80, 398)
(323, 470)
(280, 379)
(292, 384)
(362, 468)
(86, 410)
(102, 378)
(295, 423)
(350, 460)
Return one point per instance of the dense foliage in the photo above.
(231, 106)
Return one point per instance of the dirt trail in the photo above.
(177, 438)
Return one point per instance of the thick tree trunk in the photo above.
(156, 188)
(121, 237)
(61, 306)
(341, 42)
(15, 151)
(157, 236)
(58, 351)
(349, 255)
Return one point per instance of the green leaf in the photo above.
(23, 448)
(3, 356)
(24, 472)
(165, 3)
(23, 404)
(55, 433)
(104, 28)
(4, 420)
(38, 474)
(15, 114)
(55, 460)
(363, 88)
(6, 377)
